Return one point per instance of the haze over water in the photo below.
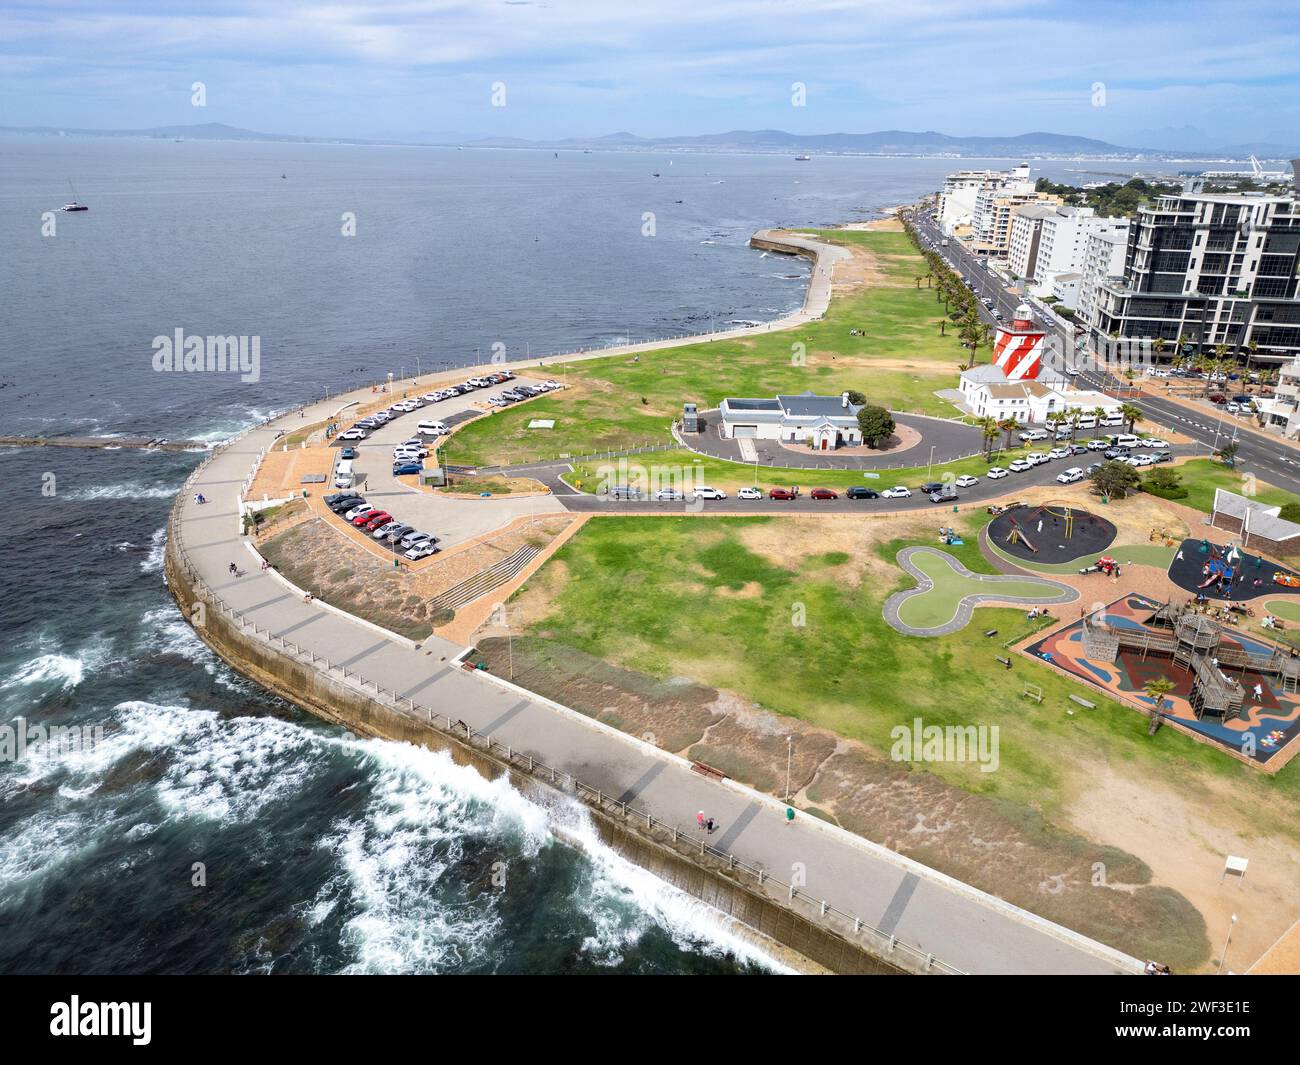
(322, 853)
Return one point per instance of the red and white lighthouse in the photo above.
(1018, 347)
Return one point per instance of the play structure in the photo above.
(950, 536)
(1216, 571)
(1195, 643)
(1105, 565)
(1051, 532)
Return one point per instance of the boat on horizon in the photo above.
(802, 158)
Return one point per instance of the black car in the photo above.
(858, 491)
(931, 487)
(340, 505)
(336, 497)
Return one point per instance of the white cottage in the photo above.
(823, 422)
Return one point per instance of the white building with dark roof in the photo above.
(823, 422)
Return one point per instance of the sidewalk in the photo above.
(962, 927)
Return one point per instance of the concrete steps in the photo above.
(484, 581)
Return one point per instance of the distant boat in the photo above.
(283, 177)
(656, 173)
(73, 205)
(802, 158)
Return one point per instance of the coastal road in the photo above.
(963, 927)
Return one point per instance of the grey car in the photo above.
(395, 534)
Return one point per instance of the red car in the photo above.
(372, 520)
(782, 493)
(824, 493)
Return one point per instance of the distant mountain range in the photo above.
(885, 142)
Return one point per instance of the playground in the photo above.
(1230, 689)
(1226, 573)
(1052, 532)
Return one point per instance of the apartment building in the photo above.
(1104, 249)
(1023, 240)
(1281, 412)
(960, 190)
(1211, 269)
(991, 225)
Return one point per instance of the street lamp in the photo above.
(789, 757)
(929, 470)
(1224, 956)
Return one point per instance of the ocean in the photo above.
(203, 825)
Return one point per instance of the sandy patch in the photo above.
(1185, 845)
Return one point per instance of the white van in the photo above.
(343, 474)
(432, 429)
(1124, 440)
(1113, 419)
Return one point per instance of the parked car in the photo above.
(1059, 453)
(1093, 468)
(412, 538)
(423, 549)
(1019, 465)
(897, 492)
(705, 492)
(996, 473)
(966, 481)
(1097, 445)
(338, 497)
(931, 486)
(782, 493)
(1078, 449)
(624, 491)
(381, 532)
(1162, 456)
(357, 511)
(371, 519)
(824, 493)
(859, 491)
(354, 434)
(1030, 435)
(348, 453)
(346, 503)
(668, 495)
(404, 469)
(1037, 458)
(1115, 453)
(1074, 473)
(397, 532)
(749, 493)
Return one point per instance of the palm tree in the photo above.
(989, 428)
(919, 279)
(1131, 414)
(1098, 413)
(1156, 689)
(1072, 416)
(1008, 426)
(1252, 349)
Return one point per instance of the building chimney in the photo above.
(844, 399)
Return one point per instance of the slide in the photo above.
(1017, 533)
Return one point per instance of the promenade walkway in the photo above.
(928, 913)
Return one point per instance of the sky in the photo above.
(1195, 75)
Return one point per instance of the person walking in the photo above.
(234, 570)
(699, 820)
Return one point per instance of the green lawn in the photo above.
(658, 595)
(1202, 476)
(1287, 609)
(939, 605)
(616, 402)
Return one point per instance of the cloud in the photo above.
(677, 66)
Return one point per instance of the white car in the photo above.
(996, 473)
(1142, 460)
(423, 549)
(1154, 442)
(966, 481)
(552, 384)
(1030, 435)
(749, 493)
(705, 492)
(357, 511)
(668, 495)
(478, 382)
(1059, 453)
(354, 434)
(1074, 473)
(1019, 465)
(1036, 458)
(1097, 445)
(897, 492)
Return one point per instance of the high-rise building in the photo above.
(1208, 269)
(1104, 249)
(1024, 237)
(960, 190)
(991, 224)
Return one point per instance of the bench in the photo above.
(1005, 661)
(1083, 702)
(704, 769)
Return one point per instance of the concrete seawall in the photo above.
(779, 930)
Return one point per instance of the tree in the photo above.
(989, 429)
(856, 397)
(1165, 483)
(1131, 415)
(1099, 415)
(1290, 512)
(943, 327)
(1227, 454)
(1008, 426)
(1156, 689)
(1115, 480)
(876, 423)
